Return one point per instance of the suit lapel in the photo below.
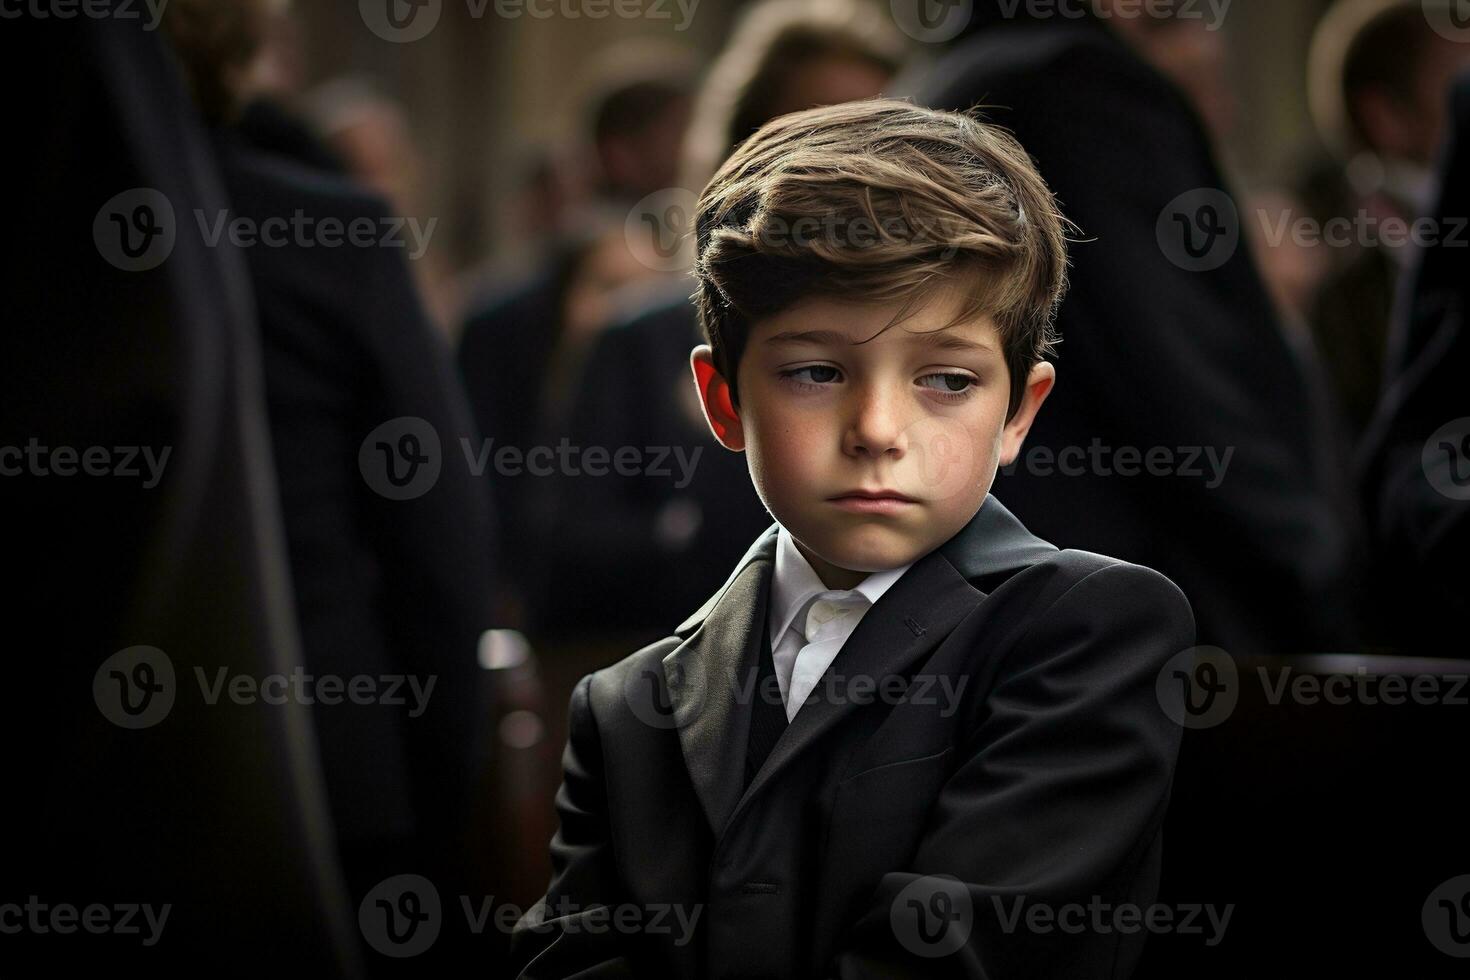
(710, 675)
(906, 624)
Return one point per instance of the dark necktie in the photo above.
(767, 713)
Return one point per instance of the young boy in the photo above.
(906, 738)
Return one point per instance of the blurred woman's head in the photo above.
(785, 56)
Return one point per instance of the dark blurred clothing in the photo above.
(1157, 357)
(383, 587)
(1349, 313)
(1350, 326)
(269, 126)
(213, 809)
(630, 552)
(1417, 494)
(505, 354)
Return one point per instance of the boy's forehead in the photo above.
(830, 321)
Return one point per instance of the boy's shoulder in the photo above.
(1004, 563)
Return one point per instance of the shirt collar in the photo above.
(794, 583)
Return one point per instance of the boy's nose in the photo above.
(876, 427)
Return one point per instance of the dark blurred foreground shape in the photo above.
(1156, 355)
(1321, 822)
(216, 810)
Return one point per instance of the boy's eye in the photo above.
(815, 373)
(949, 383)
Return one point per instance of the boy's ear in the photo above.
(714, 398)
(1039, 384)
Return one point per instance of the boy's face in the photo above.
(916, 413)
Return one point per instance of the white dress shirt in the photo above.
(809, 622)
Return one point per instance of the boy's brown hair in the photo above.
(880, 200)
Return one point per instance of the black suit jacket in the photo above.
(1043, 780)
(1157, 357)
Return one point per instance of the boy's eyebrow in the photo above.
(939, 339)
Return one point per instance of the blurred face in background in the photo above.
(830, 80)
(1413, 128)
(645, 160)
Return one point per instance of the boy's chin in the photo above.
(867, 549)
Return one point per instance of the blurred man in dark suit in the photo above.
(1379, 72)
(1182, 436)
(391, 580)
(524, 341)
(1417, 452)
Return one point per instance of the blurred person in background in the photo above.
(1191, 52)
(1160, 354)
(638, 548)
(522, 360)
(636, 116)
(523, 342)
(1292, 267)
(270, 89)
(370, 133)
(383, 587)
(1416, 455)
(1378, 78)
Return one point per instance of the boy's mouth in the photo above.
(873, 501)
